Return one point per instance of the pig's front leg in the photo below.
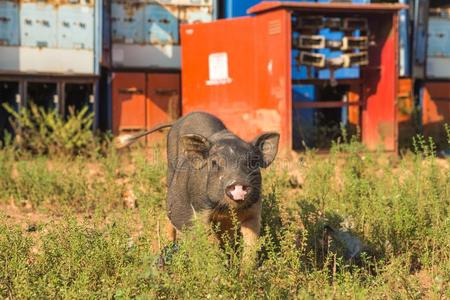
(250, 229)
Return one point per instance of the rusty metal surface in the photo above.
(326, 104)
(435, 109)
(128, 92)
(155, 22)
(144, 100)
(9, 23)
(379, 116)
(328, 7)
(405, 99)
(163, 100)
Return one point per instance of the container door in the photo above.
(129, 105)
(163, 96)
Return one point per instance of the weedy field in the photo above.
(85, 226)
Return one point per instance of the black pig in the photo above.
(212, 172)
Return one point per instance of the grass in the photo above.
(67, 229)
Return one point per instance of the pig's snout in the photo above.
(237, 191)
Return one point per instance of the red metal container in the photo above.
(240, 70)
(143, 100)
(436, 110)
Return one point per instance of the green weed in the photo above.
(399, 209)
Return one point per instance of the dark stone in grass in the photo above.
(32, 228)
(166, 255)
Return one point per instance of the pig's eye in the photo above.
(215, 164)
(253, 162)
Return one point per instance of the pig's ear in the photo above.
(267, 145)
(196, 149)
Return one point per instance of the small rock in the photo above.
(31, 228)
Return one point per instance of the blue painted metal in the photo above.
(127, 23)
(303, 119)
(100, 29)
(404, 42)
(75, 27)
(9, 23)
(161, 24)
(38, 25)
(438, 47)
(353, 1)
(439, 37)
(236, 8)
(420, 37)
(298, 71)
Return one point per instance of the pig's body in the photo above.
(211, 171)
(186, 185)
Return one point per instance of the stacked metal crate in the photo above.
(50, 54)
(146, 59)
(330, 49)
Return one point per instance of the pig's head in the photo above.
(232, 165)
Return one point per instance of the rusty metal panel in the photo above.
(435, 110)
(129, 105)
(405, 99)
(127, 19)
(76, 26)
(163, 100)
(196, 14)
(38, 23)
(145, 34)
(334, 7)
(9, 23)
(438, 52)
(161, 24)
(407, 126)
(354, 114)
(379, 117)
(60, 33)
(188, 2)
(163, 96)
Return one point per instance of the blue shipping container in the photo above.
(9, 23)
(438, 47)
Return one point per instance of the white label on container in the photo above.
(218, 69)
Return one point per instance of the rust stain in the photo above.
(264, 120)
(385, 129)
(173, 109)
(57, 3)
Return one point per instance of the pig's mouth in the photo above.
(238, 192)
